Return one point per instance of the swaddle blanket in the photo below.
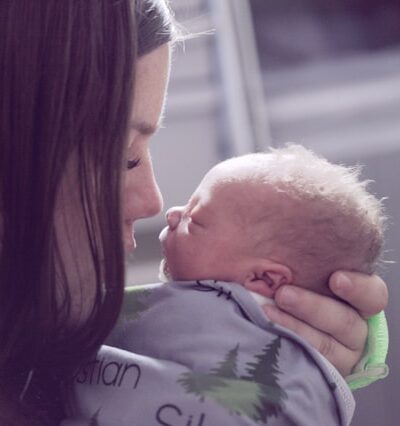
(204, 354)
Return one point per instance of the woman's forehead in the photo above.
(151, 81)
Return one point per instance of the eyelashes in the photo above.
(131, 164)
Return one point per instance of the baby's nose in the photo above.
(173, 217)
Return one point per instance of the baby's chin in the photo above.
(163, 273)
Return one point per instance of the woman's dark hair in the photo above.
(66, 84)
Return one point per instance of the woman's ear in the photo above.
(266, 277)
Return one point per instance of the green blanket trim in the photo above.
(372, 365)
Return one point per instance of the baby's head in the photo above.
(269, 219)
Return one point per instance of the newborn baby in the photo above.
(264, 220)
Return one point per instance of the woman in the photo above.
(70, 140)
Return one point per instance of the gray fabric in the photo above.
(204, 354)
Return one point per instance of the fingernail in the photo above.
(288, 296)
(341, 283)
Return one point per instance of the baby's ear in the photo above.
(267, 276)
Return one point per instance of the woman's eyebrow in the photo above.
(145, 128)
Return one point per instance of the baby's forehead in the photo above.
(236, 184)
(248, 189)
(244, 167)
(235, 173)
(240, 189)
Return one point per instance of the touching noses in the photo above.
(173, 216)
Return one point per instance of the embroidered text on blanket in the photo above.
(112, 373)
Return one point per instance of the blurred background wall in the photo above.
(323, 73)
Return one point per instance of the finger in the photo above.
(325, 314)
(339, 355)
(367, 294)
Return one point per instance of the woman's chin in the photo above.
(130, 247)
(129, 242)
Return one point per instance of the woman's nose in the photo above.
(153, 200)
(142, 196)
(173, 216)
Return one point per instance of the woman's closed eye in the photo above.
(131, 164)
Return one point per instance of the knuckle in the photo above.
(326, 346)
(349, 362)
(350, 321)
